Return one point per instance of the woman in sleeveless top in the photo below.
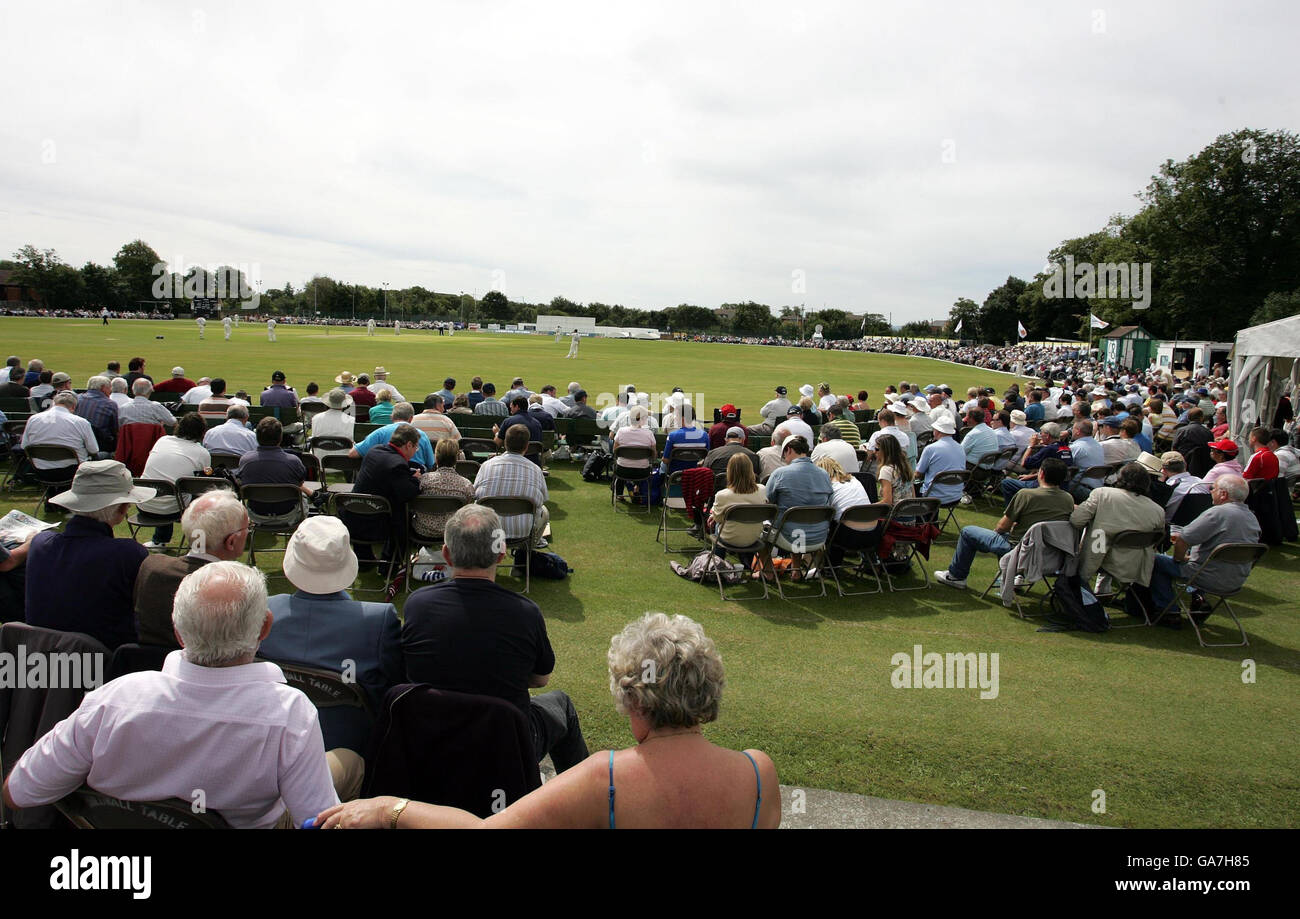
(667, 678)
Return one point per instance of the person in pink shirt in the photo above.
(1223, 453)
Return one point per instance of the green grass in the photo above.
(1165, 728)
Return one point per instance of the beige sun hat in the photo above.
(319, 558)
(1151, 463)
(99, 484)
(345, 377)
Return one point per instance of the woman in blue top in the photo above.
(666, 676)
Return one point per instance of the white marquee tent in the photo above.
(1265, 365)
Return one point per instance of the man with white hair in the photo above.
(568, 400)
(232, 438)
(142, 409)
(1228, 520)
(216, 525)
(214, 720)
(96, 407)
(381, 383)
(837, 448)
(199, 392)
(771, 457)
(119, 394)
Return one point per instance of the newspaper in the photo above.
(16, 526)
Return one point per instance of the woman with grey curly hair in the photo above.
(666, 676)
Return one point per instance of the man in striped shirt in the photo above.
(433, 421)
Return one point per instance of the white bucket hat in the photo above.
(99, 484)
(944, 424)
(319, 559)
(806, 390)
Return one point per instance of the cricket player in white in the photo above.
(225, 326)
(370, 328)
(270, 330)
(202, 322)
(557, 334)
(397, 327)
(573, 346)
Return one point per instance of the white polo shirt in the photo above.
(59, 427)
(251, 744)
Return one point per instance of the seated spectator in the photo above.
(214, 719)
(1110, 511)
(13, 388)
(554, 407)
(469, 634)
(433, 422)
(460, 406)
(381, 383)
(142, 409)
(448, 392)
(799, 483)
(1193, 434)
(96, 407)
(59, 426)
(216, 405)
(1223, 453)
(117, 393)
(232, 438)
(689, 435)
(403, 413)
(475, 394)
(334, 421)
(511, 475)
(321, 626)
(216, 525)
(538, 412)
(1047, 502)
(719, 458)
(490, 404)
(944, 454)
(1263, 464)
(382, 411)
(979, 439)
(1288, 460)
(1228, 520)
(386, 471)
(33, 375)
(82, 579)
(1220, 427)
(1117, 448)
(839, 417)
(580, 407)
(718, 432)
(894, 475)
(312, 397)
(278, 394)
(742, 488)
(362, 395)
(684, 782)
(270, 464)
(1085, 452)
(837, 448)
(847, 492)
(443, 482)
(1173, 472)
(635, 434)
(197, 393)
(171, 458)
(771, 458)
(135, 370)
(177, 382)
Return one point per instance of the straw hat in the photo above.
(345, 377)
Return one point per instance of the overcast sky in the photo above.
(648, 155)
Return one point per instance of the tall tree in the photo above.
(999, 313)
(967, 312)
(135, 265)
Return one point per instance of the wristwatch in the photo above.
(397, 813)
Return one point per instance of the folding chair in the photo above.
(56, 479)
(139, 519)
(924, 439)
(675, 502)
(1231, 553)
(372, 508)
(325, 688)
(864, 514)
(415, 540)
(1026, 590)
(913, 512)
(87, 809)
(517, 507)
(961, 478)
(328, 442)
(742, 513)
(225, 460)
(477, 448)
(983, 475)
(1092, 472)
(629, 475)
(468, 468)
(347, 465)
(803, 516)
(281, 524)
(1127, 539)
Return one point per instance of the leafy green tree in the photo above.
(103, 286)
(999, 313)
(967, 312)
(919, 328)
(752, 319)
(1277, 305)
(687, 317)
(135, 265)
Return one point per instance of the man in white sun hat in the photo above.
(321, 626)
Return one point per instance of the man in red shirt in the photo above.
(178, 382)
(718, 433)
(1263, 462)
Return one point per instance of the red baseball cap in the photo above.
(1224, 446)
(728, 409)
